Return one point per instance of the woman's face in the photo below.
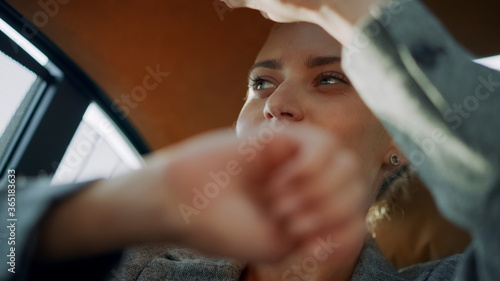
(297, 77)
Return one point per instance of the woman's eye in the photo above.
(330, 78)
(261, 84)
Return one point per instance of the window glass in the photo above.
(15, 83)
(17, 87)
(97, 150)
(491, 62)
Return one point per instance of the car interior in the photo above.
(88, 88)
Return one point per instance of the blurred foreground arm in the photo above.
(208, 193)
(193, 193)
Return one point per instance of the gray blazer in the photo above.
(442, 110)
(440, 107)
(183, 264)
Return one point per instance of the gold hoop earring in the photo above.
(394, 158)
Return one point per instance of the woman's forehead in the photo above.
(296, 39)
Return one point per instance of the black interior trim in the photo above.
(11, 49)
(72, 73)
(43, 140)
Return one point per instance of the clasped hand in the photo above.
(257, 196)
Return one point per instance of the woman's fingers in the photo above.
(273, 10)
(280, 10)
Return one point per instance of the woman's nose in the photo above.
(284, 103)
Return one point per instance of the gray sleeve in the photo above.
(32, 202)
(442, 110)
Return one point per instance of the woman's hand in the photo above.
(282, 10)
(215, 193)
(256, 196)
(337, 17)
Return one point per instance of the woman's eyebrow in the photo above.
(272, 64)
(312, 62)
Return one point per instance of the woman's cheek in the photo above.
(249, 117)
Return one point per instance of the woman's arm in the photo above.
(208, 193)
(166, 201)
(442, 110)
